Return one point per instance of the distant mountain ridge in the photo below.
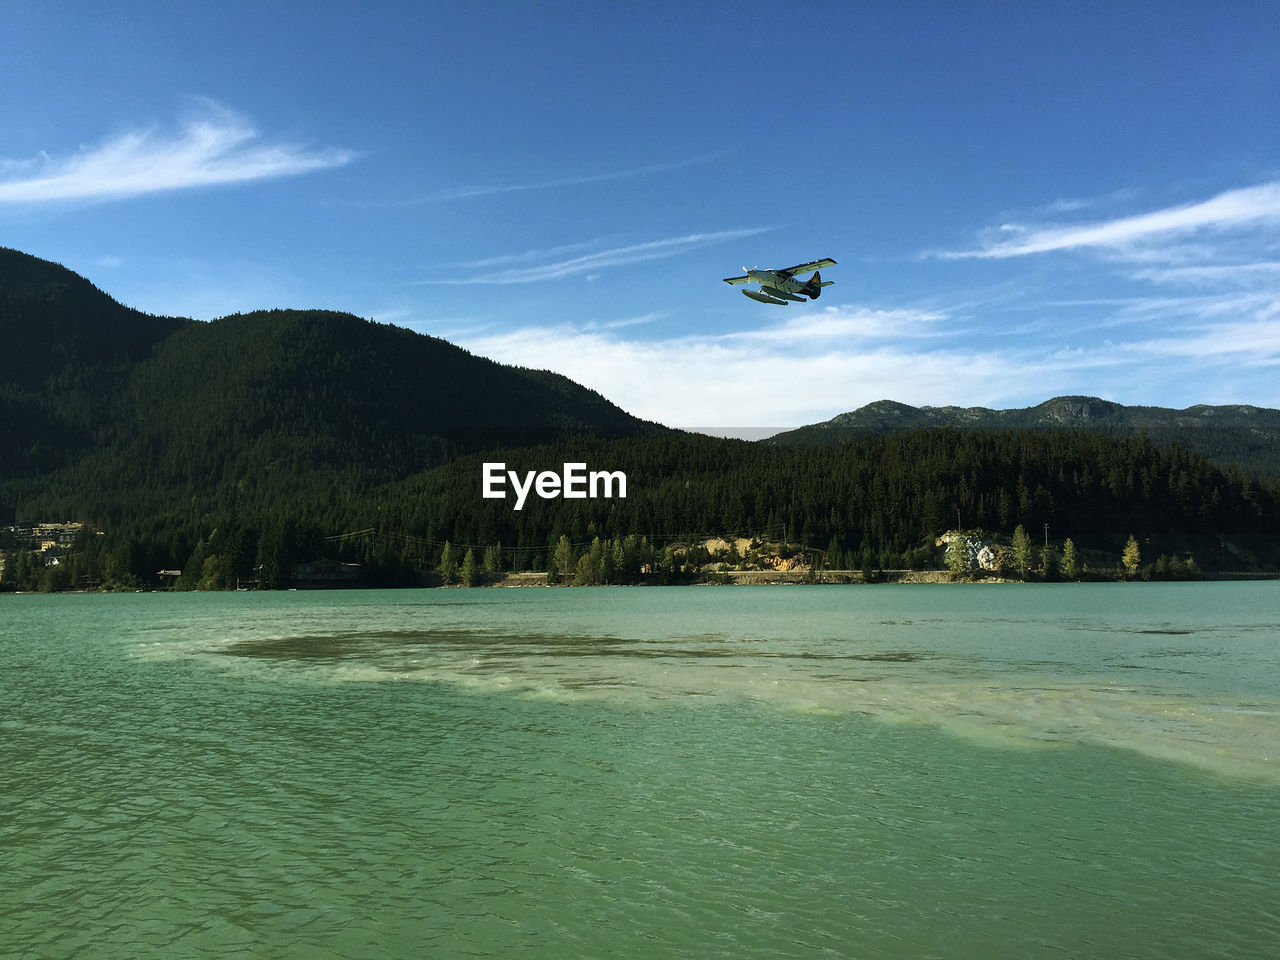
(1069, 411)
(1234, 435)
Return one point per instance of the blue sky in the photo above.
(1025, 199)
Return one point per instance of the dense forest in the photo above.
(237, 450)
(881, 502)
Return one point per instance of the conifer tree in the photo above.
(448, 565)
(608, 569)
(1131, 557)
(493, 558)
(1049, 563)
(835, 561)
(275, 556)
(1022, 551)
(470, 570)
(563, 559)
(1070, 563)
(192, 569)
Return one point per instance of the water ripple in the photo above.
(223, 776)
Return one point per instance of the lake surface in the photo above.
(884, 772)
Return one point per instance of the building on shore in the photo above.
(319, 574)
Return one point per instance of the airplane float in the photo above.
(779, 286)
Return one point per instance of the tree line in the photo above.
(875, 503)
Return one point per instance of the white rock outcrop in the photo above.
(980, 554)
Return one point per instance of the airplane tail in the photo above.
(813, 288)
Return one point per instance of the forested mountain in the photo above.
(140, 411)
(234, 449)
(1238, 435)
(264, 404)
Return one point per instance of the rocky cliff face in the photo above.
(1071, 411)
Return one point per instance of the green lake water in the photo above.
(989, 771)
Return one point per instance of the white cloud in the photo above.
(843, 322)
(527, 256)
(1207, 331)
(624, 321)
(798, 370)
(220, 147)
(1068, 206)
(1250, 342)
(1232, 209)
(807, 366)
(588, 262)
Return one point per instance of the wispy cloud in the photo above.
(1076, 204)
(624, 321)
(589, 262)
(527, 256)
(467, 192)
(218, 147)
(1232, 209)
(1235, 274)
(844, 322)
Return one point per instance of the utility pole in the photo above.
(1046, 535)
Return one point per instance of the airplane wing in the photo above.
(737, 279)
(806, 267)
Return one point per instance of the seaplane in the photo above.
(780, 286)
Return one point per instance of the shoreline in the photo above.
(755, 578)
(751, 578)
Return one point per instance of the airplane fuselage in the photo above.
(776, 280)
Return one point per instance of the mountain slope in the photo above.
(52, 319)
(68, 349)
(130, 406)
(1240, 436)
